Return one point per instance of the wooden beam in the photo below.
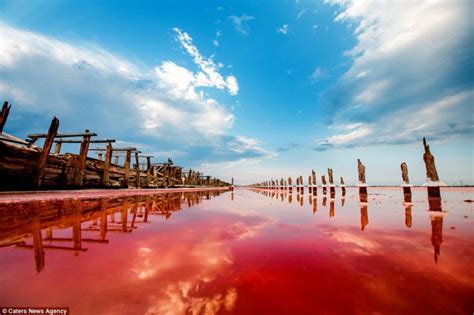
(48, 142)
(36, 136)
(80, 141)
(4, 115)
(116, 149)
(81, 162)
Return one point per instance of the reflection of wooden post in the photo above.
(76, 227)
(364, 216)
(108, 158)
(37, 243)
(81, 162)
(48, 142)
(331, 208)
(315, 205)
(103, 218)
(408, 219)
(436, 235)
(324, 200)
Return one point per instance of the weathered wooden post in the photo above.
(48, 142)
(232, 187)
(4, 115)
(81, 162)
(310, 187)
(148, 170)
(406, 183)
(108, 158)
(433, 183)
(332, 187)
(290, 185)
(116, 159)
(324, 184)
(137, 170)
(126, 166)
(57, 148)
(315, 187)
(343, 187)
(301, 184)
(362, 184)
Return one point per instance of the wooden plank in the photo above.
(81, 162)
(48, 142)
(4, 115)
(108, 158)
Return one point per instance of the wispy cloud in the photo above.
(300, 14)
(240, 23)
(317, 75)
(404, 82)
(284, 29)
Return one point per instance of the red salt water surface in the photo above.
(242, 252)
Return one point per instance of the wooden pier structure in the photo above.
(26, 166)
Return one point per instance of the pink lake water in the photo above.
(240, 252)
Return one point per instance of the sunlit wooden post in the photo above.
(37, 243)
(332, 187)
(290, 185)
(43, 157)
(57, 148)
(137, 170)
(126, 167)
(324, 184)
(343, 187)
(148, 170)
(315, 187)
(81, 161)
(433, 183)
(406, 183)
(362, 184)
(108, 158)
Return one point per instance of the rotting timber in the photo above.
(24, 165)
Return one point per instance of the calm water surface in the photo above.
(242, 252)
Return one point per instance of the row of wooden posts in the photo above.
(156, 174)
(433, 184)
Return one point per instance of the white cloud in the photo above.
(209, 75)
(410, 57)
(240, 23)
(284, 29)
(300, 14)
(163, 108)
(317, 75)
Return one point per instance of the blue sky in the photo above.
(251, 89)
